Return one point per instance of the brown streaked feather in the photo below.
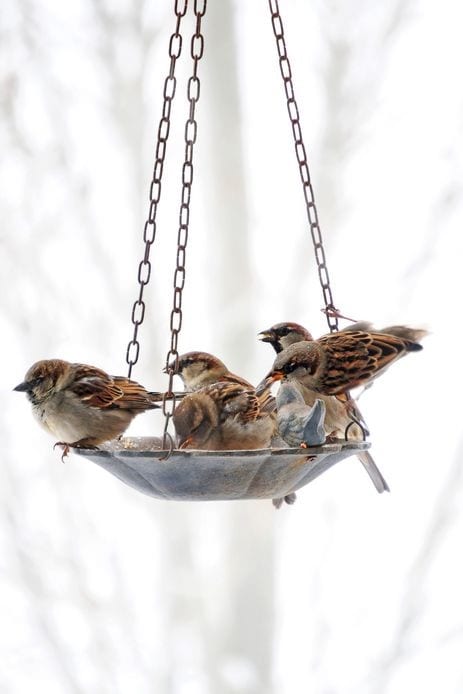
(352, 358)
(252, 409)
(234, 401)
(135, 397)
(97, 389)
(266, 400)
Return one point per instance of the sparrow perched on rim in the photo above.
(340, 414)
(82, 405)
(335, 363)
(222, 417)
(200, 369)
(299, 424)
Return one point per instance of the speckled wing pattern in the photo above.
(97, 389)
(353, 358)
(235, 401)
(266, 400)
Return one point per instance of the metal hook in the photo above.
(359, 424)
(333, 312)
(166, 435)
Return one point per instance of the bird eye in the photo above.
(284, 332)
(288, 368)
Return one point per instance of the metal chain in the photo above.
(149, 232)
(312, 215)
(191, 128)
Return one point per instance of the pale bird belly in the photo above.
(65, 429)
(70, 422)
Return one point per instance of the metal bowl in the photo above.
(190, 475)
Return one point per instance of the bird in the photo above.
(82, 405)
(200, 369)
(299, 424)
(335, 363)
(342, 418)
(222, 417)
(282, 335)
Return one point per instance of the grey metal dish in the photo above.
(188, 475)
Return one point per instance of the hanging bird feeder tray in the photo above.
(189, 475)
(149, 465)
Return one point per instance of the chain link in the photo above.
(149, 232)
(191, 128)
(301, 155)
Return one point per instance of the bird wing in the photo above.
(266, 400)
(235, 401)
(353, 358)
(94, 387)
(97, 389)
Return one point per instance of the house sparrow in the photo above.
(81, 405)
(335, 363)
(342, 417)
(222, 417)
(298, 423)
(200, 369)
(282, 335)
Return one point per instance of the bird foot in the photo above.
(66, 448)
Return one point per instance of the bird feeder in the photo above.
(152, 465)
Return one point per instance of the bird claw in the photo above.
(66, 448)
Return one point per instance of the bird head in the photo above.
(198, 369)
(295, 362)
(282, 335)
(43, 379)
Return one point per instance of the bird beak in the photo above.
(266, 336)
(266, 383)
(23, 387)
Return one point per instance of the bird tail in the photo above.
(375, 475)
(413, 346)
(158, 397)
(405, 332)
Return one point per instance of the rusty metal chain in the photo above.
(285, 68)
(149, 232)
(191, 128)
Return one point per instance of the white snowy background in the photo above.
(105, 591)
